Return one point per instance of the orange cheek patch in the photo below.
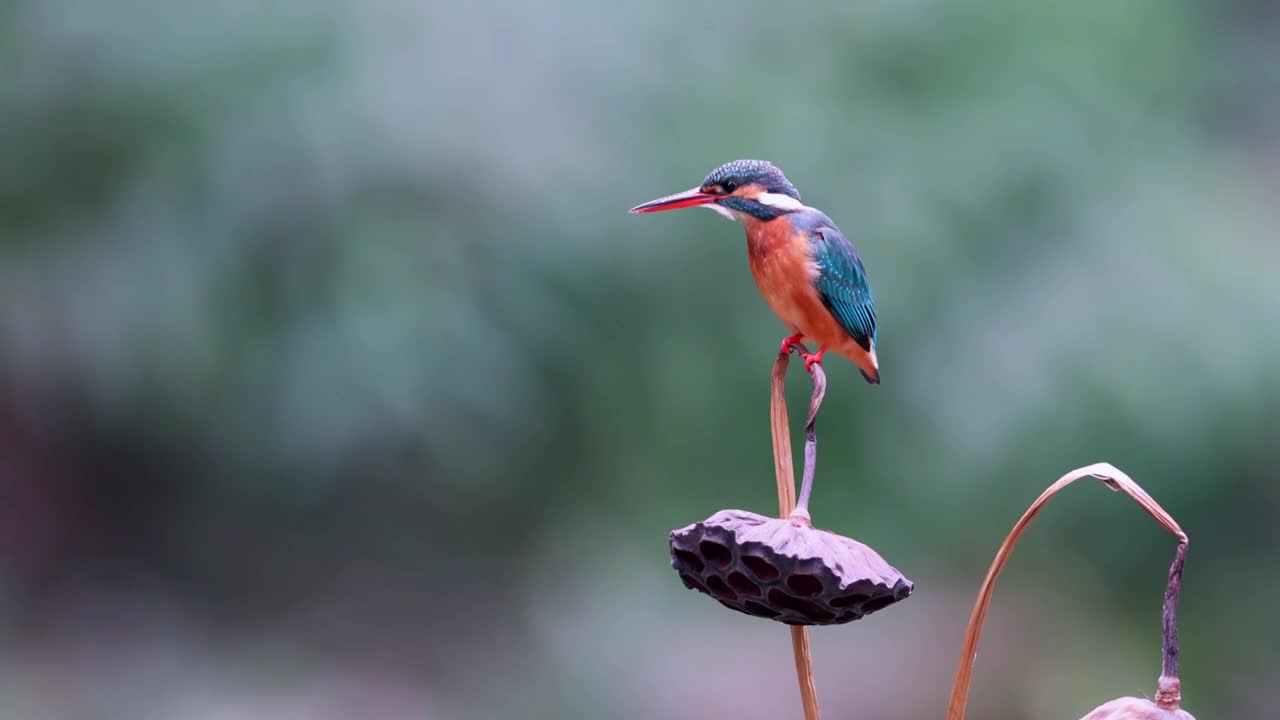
(750, 191)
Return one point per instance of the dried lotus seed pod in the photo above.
(784, 569)
(1164, 707)
(1131, 708)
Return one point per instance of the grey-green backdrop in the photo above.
(336, 381)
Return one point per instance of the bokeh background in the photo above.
(336, 381)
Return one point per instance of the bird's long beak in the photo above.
(688, 198)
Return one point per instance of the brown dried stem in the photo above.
(1168, 694)
(811, 440)
(1169, 687)
(784, 472)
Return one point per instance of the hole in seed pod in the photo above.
(715, 553)
(691, 583)
(761, 568)
(875, 604)
(717, 587)
(804, 584)
(849, 615)
(847, 600)
(810, 610)
(743, 584)
(756, 608)
(901, 592)
(689, 560)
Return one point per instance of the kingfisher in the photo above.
(807, 271)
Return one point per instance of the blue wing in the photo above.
(842, 284)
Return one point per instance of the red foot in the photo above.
(788, 343)
(811, 359)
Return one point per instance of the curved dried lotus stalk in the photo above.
(1169, 693)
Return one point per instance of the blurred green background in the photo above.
(335, 379)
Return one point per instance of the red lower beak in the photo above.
(688, 198)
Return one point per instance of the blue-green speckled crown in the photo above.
(744, 172)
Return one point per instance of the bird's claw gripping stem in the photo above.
(790, 342)
(811, 359)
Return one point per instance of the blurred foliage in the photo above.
(335, 378)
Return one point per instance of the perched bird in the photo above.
(808, 272)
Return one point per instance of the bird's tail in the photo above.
(867, 364)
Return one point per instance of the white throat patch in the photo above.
(723, 211)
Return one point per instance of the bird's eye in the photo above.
(729, 186)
